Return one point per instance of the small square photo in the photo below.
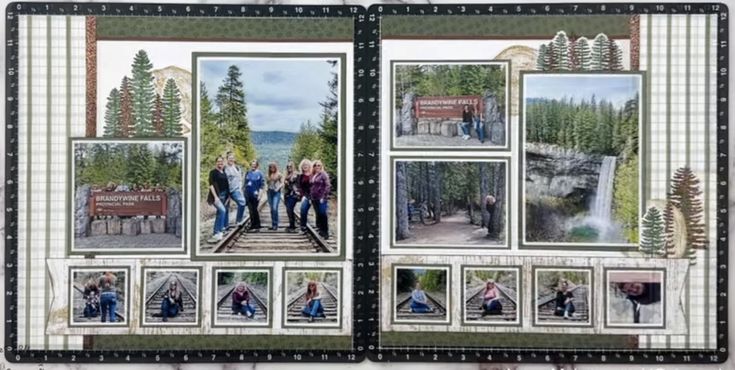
(421, 294)
(313, 298)
(635, 298)
(243, 297)
(491, 296)
(99, 296)
(563, 297)
(171, 297)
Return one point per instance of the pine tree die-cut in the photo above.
(653, 241)
(573, 53)
(685, 206)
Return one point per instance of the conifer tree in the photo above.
(669, 230)
(158, 115)
(112, 115)
(143, 93)
(127, 121)
(685, 194)
(542, 60)
(232, 115)
(171, 110)
(652, 242)
(140, 164)
(599, 56)
(582, 54)
(561, 50)
(615, 56)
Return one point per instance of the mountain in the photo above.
(272, 137)
(182, 78)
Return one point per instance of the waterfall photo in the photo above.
(581, 158)
(450, 204)
(450, 105)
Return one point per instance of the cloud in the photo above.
(273, 77)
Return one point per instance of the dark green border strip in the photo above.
(502, 26)
(221, 342)
(225, 29)
(489, 340)
(29, 209)
(48, 178)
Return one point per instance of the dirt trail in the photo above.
(452, 230)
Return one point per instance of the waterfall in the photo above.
(602, 206)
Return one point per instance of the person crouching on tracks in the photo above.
(253, 183)
(303, 184)
(313, 302)
(419, 302)
(241, 301)
(234, 179)
(108, 296)
(172, 303)
(219, 190)
(275, 184)
(320, 189)
(91, 299)
(289, 195)
(564, 302)
(491, 300)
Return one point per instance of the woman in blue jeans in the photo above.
(312, 302)
(290, 195)
(219, 189)
(479, 127)
(303, 185)
(275, 183)
(108, 297)
(172, 303)
(564, 301)
(419, 302)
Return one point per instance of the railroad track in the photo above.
(474, 310)
(153, 303)
(546, 306)
(258, 298)
(404, 308)
(329, 302)
(80, 302)
(238, 240)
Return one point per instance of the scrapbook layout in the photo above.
(308, 183)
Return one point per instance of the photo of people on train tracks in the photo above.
(421, 294)
(491, 296)
(99, 296)
(563, 296)
(312, 298)
(271, 148)
(242, 297)
(171, 296)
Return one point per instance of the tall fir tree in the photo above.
(171, 110)
(685, 194)
(212, 135)
(653, 243)
(143, 95)
(561, 50)
(158, 115)
(127, 121)
(599, 60)
(232, 115)
(329, 128)
(141, 165)
(582, 53)
(669, 220)
(112, 115)
(542, 60)
(615, 56)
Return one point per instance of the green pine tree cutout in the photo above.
(653, 243)
(171, 109)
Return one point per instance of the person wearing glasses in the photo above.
(320, 189)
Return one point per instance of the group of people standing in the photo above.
(472, 118)
(100, 298)
(311, 185)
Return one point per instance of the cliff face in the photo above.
(552, 171)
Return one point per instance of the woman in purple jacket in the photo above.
(320, 189)
(241, 301)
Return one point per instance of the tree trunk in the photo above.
(484, 187)
(407, 117)
(401, 202)
(437, 194)
(470, 211)
(499, 192)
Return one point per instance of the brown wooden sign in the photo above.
(128, 203)
(445, 106)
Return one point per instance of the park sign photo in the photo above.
(445, 106)
(115, 203)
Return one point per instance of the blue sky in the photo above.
(280, 93)
(613, 88)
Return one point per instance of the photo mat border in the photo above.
(342, 144)
(606, 304)
(340, 301)
(269, 319)
(642, 163)
(71, 194)
(392, 204)
(410, 266)
(518, 270)
(71, 269)
(143, 283)
(479, 148)
(590, 302)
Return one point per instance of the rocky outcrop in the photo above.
(173, 216)
(81, 211)
(494, 119)
(553, 171)
(406, 118)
